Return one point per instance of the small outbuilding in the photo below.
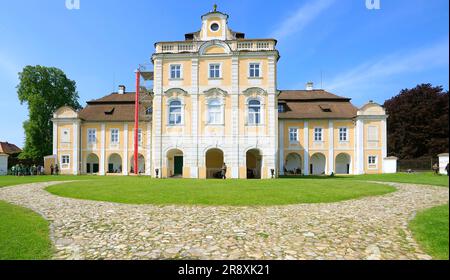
(8, 151)
(443, 161)
(390, 165)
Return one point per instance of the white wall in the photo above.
(3, 164)
(443, 161)
(389, 165)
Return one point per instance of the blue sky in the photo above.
(363, 54)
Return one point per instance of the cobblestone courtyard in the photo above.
(368, 228)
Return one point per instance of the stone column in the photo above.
(102, 170)
(194, 139)
(306, 148)
(235, 154)
(157, 118)
(76, 147)
(359, 164)
(281, 147)
(330, 147)
(125, 150)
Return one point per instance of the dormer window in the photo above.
(280, 108)
(325, 108)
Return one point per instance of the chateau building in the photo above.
(215, 100)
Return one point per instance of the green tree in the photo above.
(44, 89)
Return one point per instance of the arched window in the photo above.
(254, 112)
(175, 112)
(215, 112)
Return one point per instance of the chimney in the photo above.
(121, 89)
(309, 86)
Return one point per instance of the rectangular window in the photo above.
(65, 159)
(280, 108)
(372, 134)
(214, 71)
(293, 134)
(254, 70)
(140, 136)
(318, 134)
(343, 134)
(92, 136)
(372, 161)
(114, 136)
(175, 71)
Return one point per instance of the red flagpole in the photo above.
(136, 122)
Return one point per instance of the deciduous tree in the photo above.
(44, 90)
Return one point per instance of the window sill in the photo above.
(175, 125)
(215, 124)
(215, 79)
(254, 125)
(176, 79)
(255, 78)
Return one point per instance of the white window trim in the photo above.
(261, 112)
(168, 112)
(218, 23)
(181, 72)
(372, 166)
(260, 70)
(95, 134)
(347, 134)
(220, 70)
(140, 143)
(68, 136)
(378, 134)
(222, 111)
(118, 136)
(67, 165)
(298, 135)
(321, 135)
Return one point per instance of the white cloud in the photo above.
(377, 71)
(304, 15)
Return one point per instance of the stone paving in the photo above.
(369, 228)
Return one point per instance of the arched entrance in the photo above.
(214, 162)
(175, 163)
(254, 164)
(317, 164)
(141, 164)
(115, 163)
(343, 162)
(293, 165)
(92, 164)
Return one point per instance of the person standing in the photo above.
(436, 168)
(224, 171)
(51, 169)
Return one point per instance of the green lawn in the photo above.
(424, 178)
(430, 228)
(15, 180)
(24, 235)
(141, 190)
